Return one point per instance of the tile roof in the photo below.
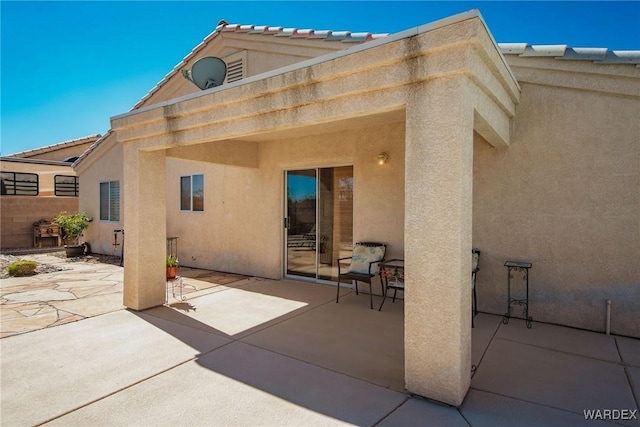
(91, 148)
(35, 161)
(562, 51)
(55, 147)
(343, 36)
(597, 55)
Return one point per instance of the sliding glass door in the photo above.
(319, 221)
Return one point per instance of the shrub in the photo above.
(73, 225)
(22, 268)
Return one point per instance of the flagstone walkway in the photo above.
(78, 290)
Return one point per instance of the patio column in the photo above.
(438, 203)
(145, 227)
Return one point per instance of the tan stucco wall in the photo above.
(241, 227)
(104, 164)
(366, 86)
(18, 213)
(565, 196)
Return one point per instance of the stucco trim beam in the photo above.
(621, 81)
(231, 153)
(472, 16)
(489, 120)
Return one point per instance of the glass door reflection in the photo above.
(301, 222)
(319, 223)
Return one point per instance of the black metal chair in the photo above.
(365, 265)
(475, 266)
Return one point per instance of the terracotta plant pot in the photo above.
(74, 250)
(172, 272)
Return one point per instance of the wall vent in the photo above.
(235, 70)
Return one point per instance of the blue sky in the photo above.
(67, 67)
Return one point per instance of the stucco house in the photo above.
(433, 140)
(38, 184)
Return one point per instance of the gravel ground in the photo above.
(42, 268)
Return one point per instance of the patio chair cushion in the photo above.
(363, 256)
(475, 257)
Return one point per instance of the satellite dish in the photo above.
(207, 72)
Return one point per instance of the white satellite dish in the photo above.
(207, 72)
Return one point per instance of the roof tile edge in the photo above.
(595, 54)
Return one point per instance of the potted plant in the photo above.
(73, 225)
(172, 267)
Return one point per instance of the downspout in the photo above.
(608, 320)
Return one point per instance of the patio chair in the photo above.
(365, 265)
(475, 266)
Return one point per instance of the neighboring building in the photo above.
(38, 184)
(527, 153)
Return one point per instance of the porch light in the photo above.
(383, 158)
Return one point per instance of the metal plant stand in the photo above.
(174, 283)
(512, 267)
(172, 250)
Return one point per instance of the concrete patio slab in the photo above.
(485, 327)
(280, 352)
(568, 340)
(482, 409)
(366, 344)
(339, 396)
(257, 304)
(629, 350)
(56, 370)
(634, 380)
(242, 385)
(419, 412)
(553, 379)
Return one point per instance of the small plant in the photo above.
(172, 261)
(22, 268)
(73, 225)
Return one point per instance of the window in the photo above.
(110, 201)
(66, 185)
(192, 193)
(19, 184)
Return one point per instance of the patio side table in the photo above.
(512, 267)
(392, 277)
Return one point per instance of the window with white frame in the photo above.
(110, 201)
(192, 193)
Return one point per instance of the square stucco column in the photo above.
(438, 203)
(145, 228)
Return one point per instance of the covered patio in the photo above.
(279, 352)
(434, 89)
